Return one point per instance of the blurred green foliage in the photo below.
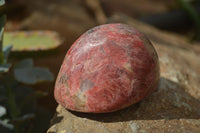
(31, 40)
(187, 6)
(19, 112)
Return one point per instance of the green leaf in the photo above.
(32, 75)
(25, 99)
(2, 24)
(23, 118)
(5, 127)
(4, 67)
(32, 40)
(26, 63)
(2, 29)
(6, 51)
(2, 111)
(2, 2)
(193, 14)
(14, 110)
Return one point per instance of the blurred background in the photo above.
(43, 31)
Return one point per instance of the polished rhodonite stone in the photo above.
(108, 68)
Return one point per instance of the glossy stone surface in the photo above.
(108, 68)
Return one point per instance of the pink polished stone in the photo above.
(108, 68)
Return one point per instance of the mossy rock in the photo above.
(32, 43)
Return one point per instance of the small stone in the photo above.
(108, 68)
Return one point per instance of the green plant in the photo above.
(32, 40)
(187, 6)
(18, 108)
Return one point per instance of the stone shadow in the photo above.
(170, 101)
(56, 119)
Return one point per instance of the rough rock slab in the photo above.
(173, 108)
